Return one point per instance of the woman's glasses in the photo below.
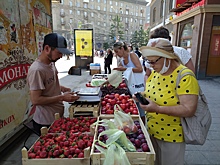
(154, 62)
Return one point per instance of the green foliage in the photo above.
(105, 45)
(140, 38)
(116, 29)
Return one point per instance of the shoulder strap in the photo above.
(180, 76)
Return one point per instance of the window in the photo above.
(104, 1)
(154, 15)
(104, 24)
(62, 2)
(116, 3)
(92, 14)
(171, 5)
(70, 3)
(62, 10)
(110, 2)
(71, 12)
(85, 14)
(71, 20)
(131, 20)
(127, 12)
(85, 5)
(77, 4)
(121, 4)
(98, 7)
(161, 8)
(141, 22)
(78, 12)
(98, 1)
(126, 20)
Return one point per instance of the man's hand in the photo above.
(65, 89)
(70, 97)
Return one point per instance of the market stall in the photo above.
(103, 127)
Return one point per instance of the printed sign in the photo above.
(83, 42)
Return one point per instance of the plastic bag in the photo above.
(115, 78)
(97, 82)
(114, 155)
(66, 109)
(134, 81)
(124, 121)
(118, 136)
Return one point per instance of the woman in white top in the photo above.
(184, 55)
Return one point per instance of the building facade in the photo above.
(196, 27)
(97, 15)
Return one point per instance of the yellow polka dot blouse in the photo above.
(162, 90)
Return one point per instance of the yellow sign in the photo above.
(83, 42)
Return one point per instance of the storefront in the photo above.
(197, 28)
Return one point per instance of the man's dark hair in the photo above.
(161, 32)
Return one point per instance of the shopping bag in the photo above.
(195, 128)
(124, 121)
(134, 81)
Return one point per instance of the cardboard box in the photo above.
(92, 72)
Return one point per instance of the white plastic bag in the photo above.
(135, 81)
(115, 78)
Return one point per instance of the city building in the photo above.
(97, 15)
(194, 25)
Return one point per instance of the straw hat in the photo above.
(159, 47)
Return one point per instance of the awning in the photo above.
(185, 5)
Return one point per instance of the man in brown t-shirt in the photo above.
(45, 90)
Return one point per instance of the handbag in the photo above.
(195, 128)
(134, 81)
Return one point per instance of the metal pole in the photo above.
(164, 12)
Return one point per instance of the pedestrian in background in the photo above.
(130, 48)
(184, 55)
(167, 104)
(108, 61)
(45, 91)
(138, 52)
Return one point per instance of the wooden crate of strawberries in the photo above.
(145, 154)
(68, 141)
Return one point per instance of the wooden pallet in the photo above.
(135, 158)
(85, 109)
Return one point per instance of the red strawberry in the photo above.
(43, 154)
(31, 155)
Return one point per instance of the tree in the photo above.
(116, 29)
(140, 38)
(105, 45)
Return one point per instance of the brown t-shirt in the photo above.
(44, 77)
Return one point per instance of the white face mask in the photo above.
(165, 68)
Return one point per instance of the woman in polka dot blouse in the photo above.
(165, 108)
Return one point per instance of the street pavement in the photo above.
(208, 154)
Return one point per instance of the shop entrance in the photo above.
(213, 67)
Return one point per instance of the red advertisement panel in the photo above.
(215, 47)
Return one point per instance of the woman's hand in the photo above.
(151, 107)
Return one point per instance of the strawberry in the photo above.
(81, 155)
(31, 155)
(56, 153)
(43, 154)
